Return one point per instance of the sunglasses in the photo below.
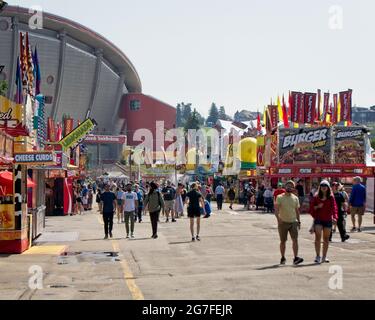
(324, 186)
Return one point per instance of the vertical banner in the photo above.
(334, 116)
(345, 100)
(261, 149)
(68, 126)
(310, 107)
(326, 107)
(297, 115)
(274, 115)
(51, 130)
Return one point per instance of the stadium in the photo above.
(83, 74)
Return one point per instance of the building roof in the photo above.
(87, 36)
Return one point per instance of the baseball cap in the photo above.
(325, 183)
(292, 183)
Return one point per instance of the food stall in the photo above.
(336, 153)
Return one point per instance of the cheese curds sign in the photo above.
(78, 134)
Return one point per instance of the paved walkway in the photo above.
(236, 259)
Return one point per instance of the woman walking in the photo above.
(324, 211)
(195, 208)
(231, 197)
(155, 203)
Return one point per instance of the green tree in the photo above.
(222, 113)
(213, 116)
(194, 121)
(186, 111)
(3, 88)
(179, 122)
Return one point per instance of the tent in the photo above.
(6, 182)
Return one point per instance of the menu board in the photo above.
(349, 145)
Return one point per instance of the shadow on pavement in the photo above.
(277, 266)
(183, 242)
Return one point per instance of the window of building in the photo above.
(135, 105)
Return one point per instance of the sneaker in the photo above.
(347, 237)
(318, 260)
(297, 261)
(174, 220)
(111, 235)
(140, 221)
(193, 239)
(155, 236)
(353, 229)
(106, 238)
(198, 238)
(283, 261)
(127, 237)
(359, 230)
(325, 260)
(166, 221)
(133, 236)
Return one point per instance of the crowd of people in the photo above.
(132, 201)
(329, 207)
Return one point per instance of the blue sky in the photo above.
(237, 53)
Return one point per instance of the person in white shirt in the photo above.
(130, 203)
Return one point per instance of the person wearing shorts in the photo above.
(324, 211)
(357, 203)
(195, 207)
(169, 194)
(288, 219)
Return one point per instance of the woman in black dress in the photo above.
(195, 207)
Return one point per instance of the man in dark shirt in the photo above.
(341, 206)
(108, 200)
(169, 194)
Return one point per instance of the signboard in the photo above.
(12, 118)
(99, 139)
(349, 145)
(305, 146)
(78, 135)
(35, 158)
(322, 172)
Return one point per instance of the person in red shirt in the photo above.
(279, 191)
(324, 211)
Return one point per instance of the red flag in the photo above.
(259, 125)
(290, 106)
(345, 102)
(326, 106)
(350, 121)
(297, 107)
(318, 114)
(285, 114)
(310, 108)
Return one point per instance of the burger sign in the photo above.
(349, 145)
(305, 146)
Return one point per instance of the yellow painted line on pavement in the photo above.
(46, 250)
(128, 275)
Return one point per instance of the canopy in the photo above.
(6, 181)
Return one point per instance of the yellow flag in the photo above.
(265, 116)
(280, 108)
(338, 110)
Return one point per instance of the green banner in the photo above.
(78, 134)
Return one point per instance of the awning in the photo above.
(6, 180)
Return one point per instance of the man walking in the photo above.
(219, 194)
(341, 207)
(169, 194)
(140, 196)
(288, 218)
(358, 203)
(108, 205)
(130, 206)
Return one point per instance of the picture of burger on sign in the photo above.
(349, 145)
(305, 146)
